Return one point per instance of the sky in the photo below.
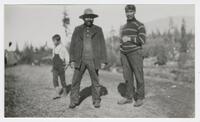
(36, 24)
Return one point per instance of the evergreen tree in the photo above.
(183, 41)
(17, 49)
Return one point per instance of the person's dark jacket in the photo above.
(98, 46)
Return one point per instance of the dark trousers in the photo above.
(61, 74)
(132, 64)
(76, 81)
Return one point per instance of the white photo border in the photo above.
(197, 58)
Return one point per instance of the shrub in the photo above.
(27, 55)
(161, 55)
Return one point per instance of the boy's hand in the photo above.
(126, 38)
(72, 64)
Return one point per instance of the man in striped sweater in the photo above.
(132, 38)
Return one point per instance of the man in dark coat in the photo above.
(133, 36)
(87, 51)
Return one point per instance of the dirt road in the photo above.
(29, 90)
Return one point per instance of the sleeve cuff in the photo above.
(134, 40)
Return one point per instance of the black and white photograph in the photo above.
(125, 60)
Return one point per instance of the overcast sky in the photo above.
(37, 23)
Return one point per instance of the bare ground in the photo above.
(29, 90)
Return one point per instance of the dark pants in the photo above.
(132, 64)
(78, 73)
(59, 73)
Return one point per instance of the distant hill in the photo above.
(163, 24)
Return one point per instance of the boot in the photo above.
(125, 101)
(56, 95)
(72, 105)
(97, 104)
(138, 103)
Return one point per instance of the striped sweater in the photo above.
(136, 31)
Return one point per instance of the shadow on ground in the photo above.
(86, 92)
(122, 90)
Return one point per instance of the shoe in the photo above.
(138, 103)
(56, 94)
(56, 97)
(72, 105)
(125, 101)
(97, 104)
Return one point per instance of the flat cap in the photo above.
(130, 7)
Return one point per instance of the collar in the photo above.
(92, 30)
(58, 46)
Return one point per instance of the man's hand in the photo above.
(126, 38)
(72, 64)
(103, 66)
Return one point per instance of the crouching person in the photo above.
(60, 61)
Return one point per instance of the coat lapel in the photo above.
(93, 31)
(81, 32)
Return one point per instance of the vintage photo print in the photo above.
(125, 60)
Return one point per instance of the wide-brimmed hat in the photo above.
(88, 13)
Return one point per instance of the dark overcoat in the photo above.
(98, 46)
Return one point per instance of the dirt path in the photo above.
(28, 93)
